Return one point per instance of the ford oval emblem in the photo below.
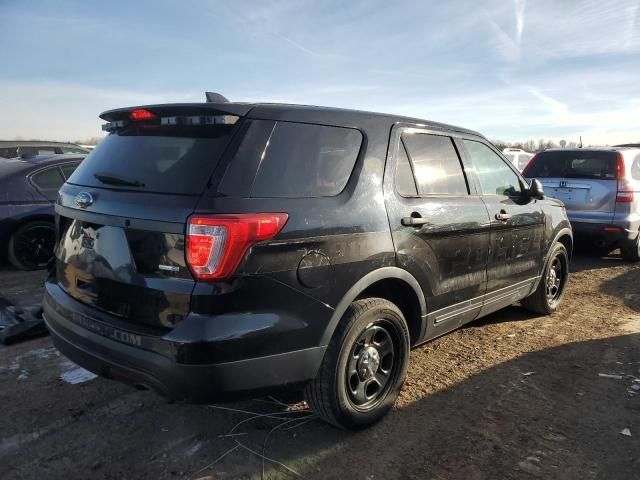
(84, 200)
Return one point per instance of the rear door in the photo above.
(440, 228)
(585, 181)
(517, 227)
(122, 215)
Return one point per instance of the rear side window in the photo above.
(68, 169)
(50, 179)
(587, 164)
(436, 165)
(405, 182)
(156, 158)
(305, 160)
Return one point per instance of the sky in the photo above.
(511, 69)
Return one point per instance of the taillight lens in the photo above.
(217, 243)
(625, 188)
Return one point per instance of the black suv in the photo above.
(215, 250)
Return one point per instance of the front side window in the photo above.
(495, 176)
(436, 164)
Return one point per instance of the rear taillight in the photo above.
(217, 243)
(625, 189)
(529, 164)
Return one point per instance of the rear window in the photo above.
(303, 160)
(574, 164)
(436, 164)
(155, 158)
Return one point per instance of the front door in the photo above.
(440, 230)
(517, 226)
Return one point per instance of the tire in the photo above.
(631, 251)
(31, 245)
(348, 391)
(548, 295)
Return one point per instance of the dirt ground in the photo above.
(510, 396)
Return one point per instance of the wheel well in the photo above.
(568, 244)
(404, 297)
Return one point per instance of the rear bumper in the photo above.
(611, 232)
(139, 361)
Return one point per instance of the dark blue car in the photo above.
(28, 190)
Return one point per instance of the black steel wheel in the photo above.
(31, 245)
(548, 294)
(371, 363)
(364, 366)
(553, 282)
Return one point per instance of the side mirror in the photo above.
(535, 190)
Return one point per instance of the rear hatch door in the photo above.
(122, 215)
(585, 181)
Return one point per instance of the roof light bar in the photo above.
(110, 126)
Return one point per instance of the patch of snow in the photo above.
(74, 374)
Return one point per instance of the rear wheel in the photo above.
(547, 297)
(31, 245)
(364, 367)
(631, 251)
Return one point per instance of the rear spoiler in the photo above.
(180, 109)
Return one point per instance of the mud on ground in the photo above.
(511, 396)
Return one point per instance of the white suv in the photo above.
(518, 157)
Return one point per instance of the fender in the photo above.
(563, 231)
(366, 281)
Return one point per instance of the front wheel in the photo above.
(547, 297)
(364, 366)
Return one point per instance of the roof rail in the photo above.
(213, 97)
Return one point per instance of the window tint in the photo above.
(574, 164)
(168, 159)
(435, 164)
(405, 182)
(68, 169)
(495, 176)
(302, 160)
(50, 179)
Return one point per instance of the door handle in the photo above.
(503, 216)
(413, 221)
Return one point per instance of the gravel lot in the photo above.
(510, 396)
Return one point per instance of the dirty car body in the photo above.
(132, 298)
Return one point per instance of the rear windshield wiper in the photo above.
(116, 180)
